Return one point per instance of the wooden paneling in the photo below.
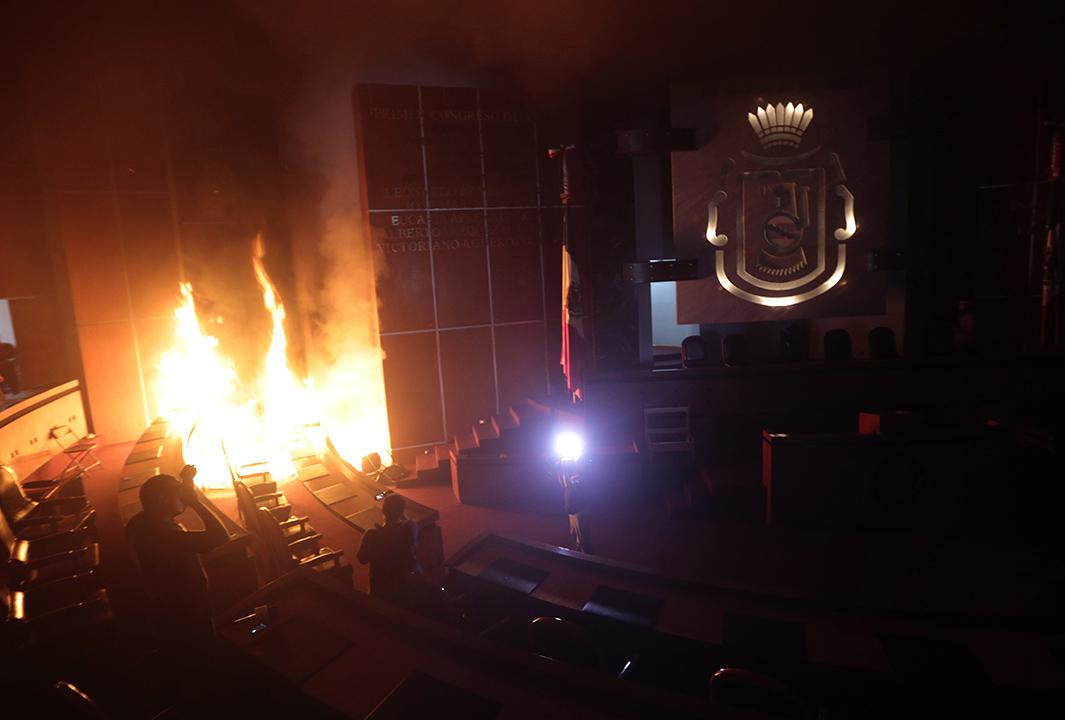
(508, 135)
(520, 353)
(412, 388)
(452, 147)
(468, 377)
(461, 268)
(88, 228)
(151, 253)
(405, 281)
(25, 267)
(390, 128)
(517, 285)
(42, 356)
(112, 380)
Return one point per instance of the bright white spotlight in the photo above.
(569, 445)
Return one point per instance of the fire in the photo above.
(225, 420)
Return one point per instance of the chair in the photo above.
(65, 700)
(248, 505)
(29, 517)
(564, 641)
(882, 343)
(794, 343)
(80, 451)
(693, 352)
(757, 692)
(32, 563)
(305, 552)
(697, 351)
(837, 344)
(9, 369)
(56, 612)
(734, 350)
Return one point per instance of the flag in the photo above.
(572, 325)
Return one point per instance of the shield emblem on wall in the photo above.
(793, 214)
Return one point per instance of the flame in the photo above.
(248, 426)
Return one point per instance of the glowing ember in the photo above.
(262, 422)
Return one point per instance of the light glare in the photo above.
(569, 446)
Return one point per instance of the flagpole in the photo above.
(570, 359)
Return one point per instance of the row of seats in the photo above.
(51, 583)
(626, 655)
(568, 642)
(283, 541)
(711, 350)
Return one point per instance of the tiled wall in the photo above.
(464, 214)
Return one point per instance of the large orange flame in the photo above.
(229, 424)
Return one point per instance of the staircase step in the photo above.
(504, 423)
(432, 467)
(443, 453)
(465, 441)
(426, 461)
(485, 429)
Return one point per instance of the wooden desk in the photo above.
(849, 479)
(352, 651)
(25, 425)
(357, 501)
(614, 402)
(230, 569)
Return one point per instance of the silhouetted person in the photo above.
(391, 550)
(169, 556)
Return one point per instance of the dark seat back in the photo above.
(734, 350)
(278, 552)
(698, 351)
(693, 351)
(9, 369)
(794, 343)
(13, 501)
(565, 641)
(838, 345)
(65, 700)
(882, 343)
(753, 691)
(247, 508)
(7, 538)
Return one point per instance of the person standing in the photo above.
(168, 555)
(391, 550)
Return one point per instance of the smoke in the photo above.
(333, 262)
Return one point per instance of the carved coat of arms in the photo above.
(793, 213)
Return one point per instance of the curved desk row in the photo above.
(365, 658)
(230, 568)
(357, 501)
